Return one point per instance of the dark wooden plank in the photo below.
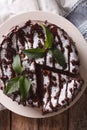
(23, 123)
(78, 114)
(4, 120)
(58, 122)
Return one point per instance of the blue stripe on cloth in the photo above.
(78, 16)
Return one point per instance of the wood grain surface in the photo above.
(5, 120)
(73, 119)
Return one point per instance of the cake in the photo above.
(52, 84)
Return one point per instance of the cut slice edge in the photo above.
(55, 89)
(58, 90)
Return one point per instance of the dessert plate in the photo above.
(73, 33)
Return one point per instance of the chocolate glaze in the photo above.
(21, 38)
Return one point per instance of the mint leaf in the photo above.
(49, 37)
(24, 87)
(35, 52)
(17, 66)
(12, 85)
(21, 84)
(59, 57)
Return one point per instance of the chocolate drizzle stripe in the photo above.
(66, 92)
(59, 77)
(49, 89)
(69, 51)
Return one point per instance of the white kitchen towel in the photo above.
(8, 8)
(74, 10)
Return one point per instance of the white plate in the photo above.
(80, 44)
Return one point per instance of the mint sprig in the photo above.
(12, 85)
(17, 66)
(35, 52)
(49, 37)
(19, 83)
(59, 57)
(24, 87)
(48, 46)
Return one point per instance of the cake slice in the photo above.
(58, 90)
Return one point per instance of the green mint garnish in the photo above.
(17, 66)
(59, 57)
(19, 83)
(49, 37)
(24, 87)
(12, 85)
(35, 52)
(48, 46)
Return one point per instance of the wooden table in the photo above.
(73, 119)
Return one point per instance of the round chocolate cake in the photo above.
(39, 66)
